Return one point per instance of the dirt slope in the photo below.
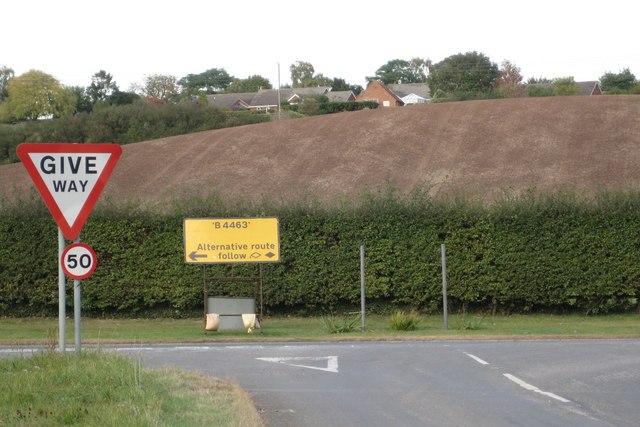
(480, 147)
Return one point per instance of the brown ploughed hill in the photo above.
(481, 148)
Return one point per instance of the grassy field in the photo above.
(100, 389)
(43, 331)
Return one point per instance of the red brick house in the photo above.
(380, 93)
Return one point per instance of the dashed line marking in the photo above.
(535, 389)
(477, 359)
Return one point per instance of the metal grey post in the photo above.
(62, 311)
(77, 315)
(444, 286)
(362, 288)
(279, 107)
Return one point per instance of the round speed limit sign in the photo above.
(79, 261)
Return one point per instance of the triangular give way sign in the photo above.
(70, 178)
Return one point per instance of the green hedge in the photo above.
(123, 124)
(557, 253)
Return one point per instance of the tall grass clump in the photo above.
(401, 321)
(340, 325)
(97, 388)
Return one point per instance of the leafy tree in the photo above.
(158, 87)
(123, 98)
(83, 100)
(208, 82)
(621, 82)
(250, 84)
(565, 86)
(338, 84)
(420, 69)
(302, 74)
(35, 94)
(468, 74)
(102, 86)
(509, 82)
(401, 71)
(538, 80)
(320, 80)
(6, 74)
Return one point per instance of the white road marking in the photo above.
(535, 389)
(477, 359)
(332, 362)
(188, 348)
(19, 350)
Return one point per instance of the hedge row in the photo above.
(123, 124)
(536, 253)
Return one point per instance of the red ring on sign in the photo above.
(84, 272)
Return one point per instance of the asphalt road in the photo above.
(433, 383)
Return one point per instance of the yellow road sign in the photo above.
(231, 240)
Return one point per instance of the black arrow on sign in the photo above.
(194, 256)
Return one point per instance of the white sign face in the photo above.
(70, 178)
(79, 261)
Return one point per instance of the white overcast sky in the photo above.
(349, 39)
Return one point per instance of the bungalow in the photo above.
(266, 99)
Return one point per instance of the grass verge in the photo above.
(40, 331)
(96, 388)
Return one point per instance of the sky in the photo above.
(349, 39)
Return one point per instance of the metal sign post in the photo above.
(444, 286)
(62, 300)
(78, 261)
(362, 288)
(77, 294)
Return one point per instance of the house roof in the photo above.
(341, 96)
(414, 99)
(264, 97)
(311, 91)
(267, 97)
(588, 88)
(404, 89)
(228, 100)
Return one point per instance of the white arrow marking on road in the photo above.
(332, 362)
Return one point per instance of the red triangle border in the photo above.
(70, 231)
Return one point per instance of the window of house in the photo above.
(386, 103)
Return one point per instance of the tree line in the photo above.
(36, 94)
(164, 105)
